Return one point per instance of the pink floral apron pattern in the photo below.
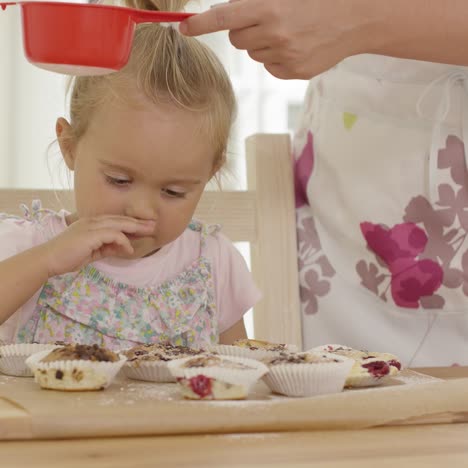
(315, 270)
(415, 258)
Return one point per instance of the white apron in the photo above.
(382, 209)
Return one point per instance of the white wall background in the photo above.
(31, 100)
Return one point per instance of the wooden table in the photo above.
(404, 446)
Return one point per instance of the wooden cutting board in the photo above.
(130, 407)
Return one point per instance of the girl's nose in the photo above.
(142, 208)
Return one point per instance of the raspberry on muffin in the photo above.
(370, 368)
(212, 377)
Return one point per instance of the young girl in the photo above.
(130, 265)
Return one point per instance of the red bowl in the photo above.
(83, 39)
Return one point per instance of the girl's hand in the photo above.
(295, 38)
(90, 239)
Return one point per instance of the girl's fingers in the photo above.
(122, 224)
(112, 251)
(105, 237)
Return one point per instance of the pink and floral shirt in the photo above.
(186, 294)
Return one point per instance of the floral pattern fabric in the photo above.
(421, 253)
(88, 307)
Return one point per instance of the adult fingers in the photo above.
(280, 67)
(290, 71)
(253, 38)
(234, 15)
(279, 71)
(265, 55)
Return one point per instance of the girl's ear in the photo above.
(66, 141)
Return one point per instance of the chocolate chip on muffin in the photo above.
(159, 352)
(81, 352)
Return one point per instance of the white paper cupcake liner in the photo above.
(13, 357)
(309, 379)
(246, 377)
(151, 371)
(73, 375)
(257, 354)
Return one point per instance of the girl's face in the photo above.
(148, 162)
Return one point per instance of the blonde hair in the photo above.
(165, 67)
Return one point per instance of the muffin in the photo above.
(369, 369)
(149, 361)
(13, 357)
(212, 377)
(253, 349)
(307, 374)
(75, 367)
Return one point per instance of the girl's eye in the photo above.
(117, 181)
(173, 193)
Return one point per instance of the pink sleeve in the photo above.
(236, 291)
(16, 236)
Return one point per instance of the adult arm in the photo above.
(302, 38)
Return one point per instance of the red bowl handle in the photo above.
(3, 5)
(144, 16)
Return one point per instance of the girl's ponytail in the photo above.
(157, 5)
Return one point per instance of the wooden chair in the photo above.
(263, 215)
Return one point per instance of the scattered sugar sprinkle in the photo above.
(130, 392)
(5, 378)
(155, 391)
(415, 378)
(135, 391)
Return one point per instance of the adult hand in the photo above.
(294, 38)
(90, 239)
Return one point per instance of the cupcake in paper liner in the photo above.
(13, 357)
(149, 361)
(369, 369)
(253, 349)
(307, 374)
(75, 367)
(214, 377)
